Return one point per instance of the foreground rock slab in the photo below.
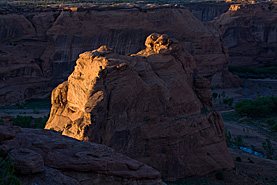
(151, 106)
(46, 157)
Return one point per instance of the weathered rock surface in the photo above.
(39, 46)
(151, 106)
(207, 11)
(250, 33)
(46, 157)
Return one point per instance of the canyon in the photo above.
(151, 106)
(136, 91)
(39, 45)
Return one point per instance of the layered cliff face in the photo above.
(151, 106)
(46, 157)
(250, 33)
(39, 46)
(207, 11)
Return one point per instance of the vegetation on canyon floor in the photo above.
(258, 114)
(260, 107)
(254, 73)
(31, 104)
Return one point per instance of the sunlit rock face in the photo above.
(46, 157)
(39, 46)
(151, 106)
(250, 33)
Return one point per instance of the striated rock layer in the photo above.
(207, 11)
(250, 33)
(151, 106)
(39, 46)
(46, 157)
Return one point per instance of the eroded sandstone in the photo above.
(151, 106)
(46, 157)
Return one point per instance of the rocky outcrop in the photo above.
(151, 106)
(39, 46)
(250, 33)
(46, 157)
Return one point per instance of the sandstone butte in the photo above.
(39, 46)
(151, 106)
(250, 33)
(46, 157)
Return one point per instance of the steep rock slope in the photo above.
(39, 46)
(151, 106)
(46, 157)
(207, 11)
(250, 33)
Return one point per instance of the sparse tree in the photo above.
(267, 146)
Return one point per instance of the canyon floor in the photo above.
(249, 170)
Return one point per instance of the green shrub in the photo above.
(23, 121)
(7, 176)
(255, 73)
(223, 94)
(228, 137)
(238, 141)
(273, 128)
(260, 107)
(30, 122)
(228, 101)
(267, 146)
(40, 122)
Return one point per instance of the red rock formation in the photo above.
(250, 33)
(39, 47)
(151, 106)
(46, 157)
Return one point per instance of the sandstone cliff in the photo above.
(250, 33)
(151, 106)
(39, 46)
(207, 11)
(46, 157)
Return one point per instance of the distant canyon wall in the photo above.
(250, 33)
(39, 46)
(207, 11)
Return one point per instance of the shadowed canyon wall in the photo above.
(151, 106)
(250, 33)
(207, 11)
(39, 46)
